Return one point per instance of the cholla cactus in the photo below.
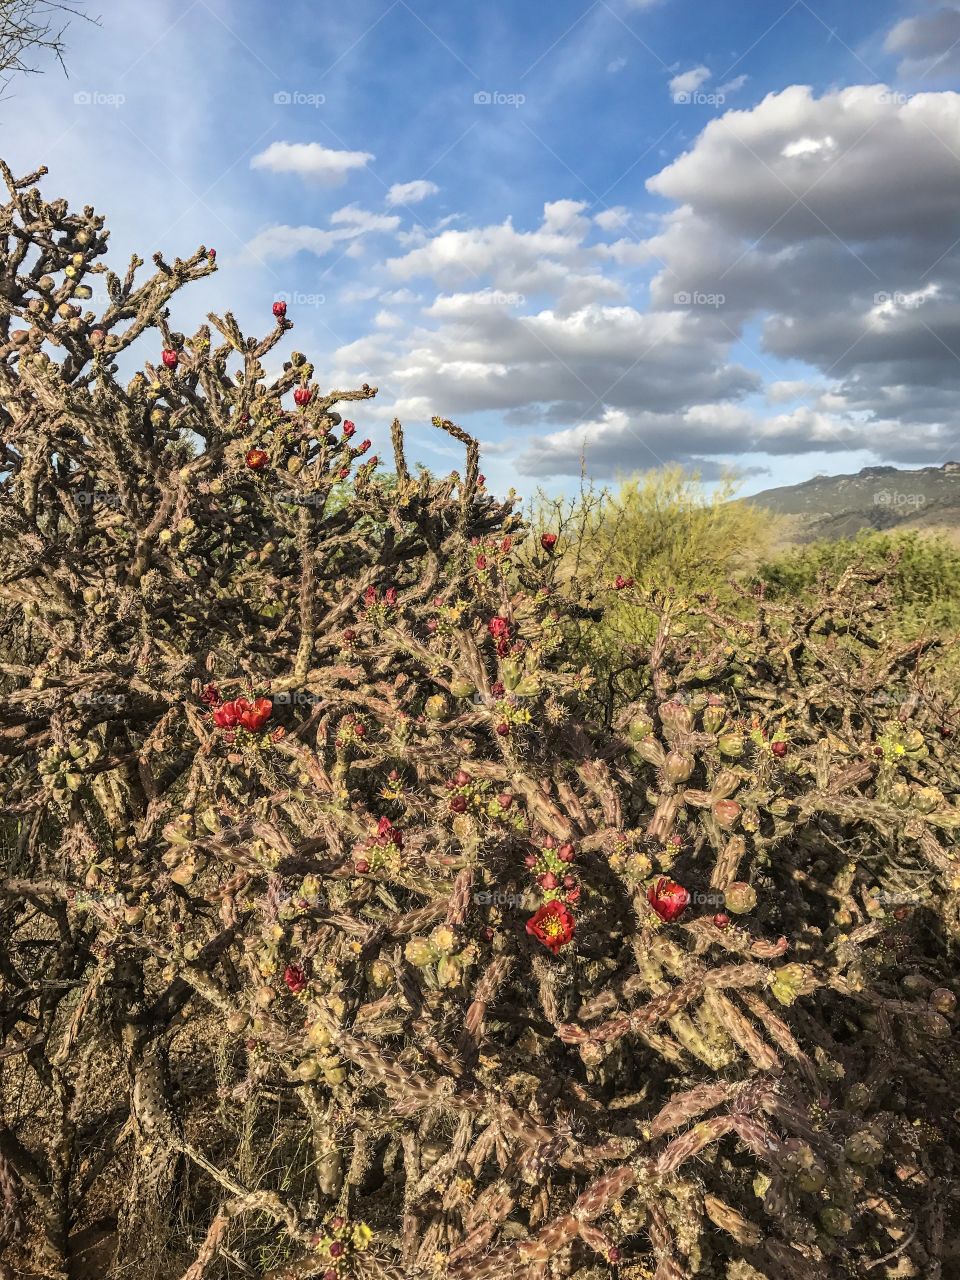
(329, 884)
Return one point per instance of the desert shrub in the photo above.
(341, 935)
(923, 572)
(666, 533)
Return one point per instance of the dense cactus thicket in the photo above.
(349, 928)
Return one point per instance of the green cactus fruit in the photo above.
(309, 1069)
(927, 799)
(788, 982)
(420, 952)
(678, 767)
(835, 1222)
(740, 898)
(714, 717)
(436, 707)
(640, 727)
(864, 1147)
(726, 813)
(731, 744)
(528, 687)
(463, 688)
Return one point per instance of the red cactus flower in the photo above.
(503, 728)
(481, 562)
(302, 396)
(505, 800)
(295, 978)
(257, 459)
(668, 899)
(279, 310)
(552, 924)
(548, 541)
(210, 695)
(226, 715)
(349, 428)
(459, 804)
(343, 472)
(503, 647)
(387, 833)
(361, 866)
(170, 358)
(363, 446)
(390, 596)
(254, 715)
(481, 480)
(622, 582)
(496, 689)
(721, 919)
(499, 628)
(370, 596)
(779, 749)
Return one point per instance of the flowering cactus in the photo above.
(501, 1063)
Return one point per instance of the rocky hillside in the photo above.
(874, 498)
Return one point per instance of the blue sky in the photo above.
(722, 234)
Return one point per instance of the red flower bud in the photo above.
(361, 866)
(506, 544)
(432, 624)
(503, 729)
(360, 729)
(565, 852)
(499, 628)
(462, 778)
(370, 596)
(548, 541)
(257, 459)
(481, 480)
(337, 1222)
(348, 428)
(549, 842)
(569, 882)
(779, 749)
(548, 880)
(481, 562)
(170, 358)
(391, 596)
(622, 582)
(458, 804)
(210, 695)
(279, 310)
(349, 635)
(302, 396)
(505, 800)
(497, 689)
(363, 446)
(343, 472)
(721, 919)
(336, 1249)
(530, 860)
(613, 1255)
(212, 254)
(295, 978)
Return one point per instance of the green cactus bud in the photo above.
(528, 687)
(237, 1022)
(927, 799)
(740, 898)
(678, 767)
(309, 1069)
(864, 1147)
(419, 952)
(640, 727)
(788, 983)
(436, 707)
(444, 939)
(731, 744)
(463, 688)
(713, 718)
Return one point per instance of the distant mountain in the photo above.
(875, 498)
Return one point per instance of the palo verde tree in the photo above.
(346, 931)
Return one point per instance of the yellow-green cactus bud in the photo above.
(740, 898)
(788, 982)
